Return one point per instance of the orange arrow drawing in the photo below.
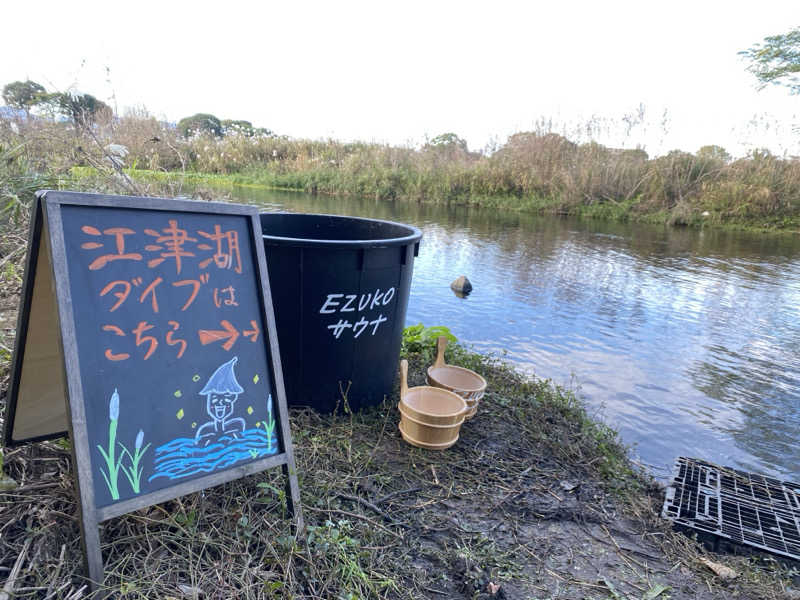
(252, 333)
(230, 333)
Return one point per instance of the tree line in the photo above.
(27, 95)
(538, 170)
(84, 109)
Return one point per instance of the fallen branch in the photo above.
(57, 572)
(397, 493)
(371, 506)
(8, 588)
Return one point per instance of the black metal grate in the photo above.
(744, 508)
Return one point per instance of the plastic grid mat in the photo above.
(742, 507)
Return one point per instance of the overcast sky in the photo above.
(398, 72)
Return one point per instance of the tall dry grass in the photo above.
(537, 170)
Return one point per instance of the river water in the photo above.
(685, 341)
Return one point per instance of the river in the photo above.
(686, 341)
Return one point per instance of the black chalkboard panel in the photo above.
(171, 374)
(169, 331)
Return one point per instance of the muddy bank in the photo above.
(534, 501)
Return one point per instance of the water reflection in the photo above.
(686, 341)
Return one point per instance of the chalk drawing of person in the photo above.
(221, 392)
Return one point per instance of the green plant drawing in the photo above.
(134, 472)
(269, 425)
(113, 463)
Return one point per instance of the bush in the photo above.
(200, 123)
(537, 171)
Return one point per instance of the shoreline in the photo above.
(608, 210)
(536, 500)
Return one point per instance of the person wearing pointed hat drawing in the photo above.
(221, 392)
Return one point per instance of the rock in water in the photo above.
(461, 285)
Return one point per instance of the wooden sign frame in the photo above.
(46, 229)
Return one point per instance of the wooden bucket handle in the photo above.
(403, 378)
(441, 344)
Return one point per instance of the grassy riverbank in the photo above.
(633, 210)
(536, 500)
(536, 171)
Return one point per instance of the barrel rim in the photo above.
(414, 236)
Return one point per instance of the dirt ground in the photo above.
(534, 501)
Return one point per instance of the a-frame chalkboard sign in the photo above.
(146, 332)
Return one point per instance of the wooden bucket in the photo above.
(430, 417)
(467, 384)
(427, 436)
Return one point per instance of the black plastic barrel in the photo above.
(340, 289)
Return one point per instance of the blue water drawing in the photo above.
(221, 442)
(182, 457)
